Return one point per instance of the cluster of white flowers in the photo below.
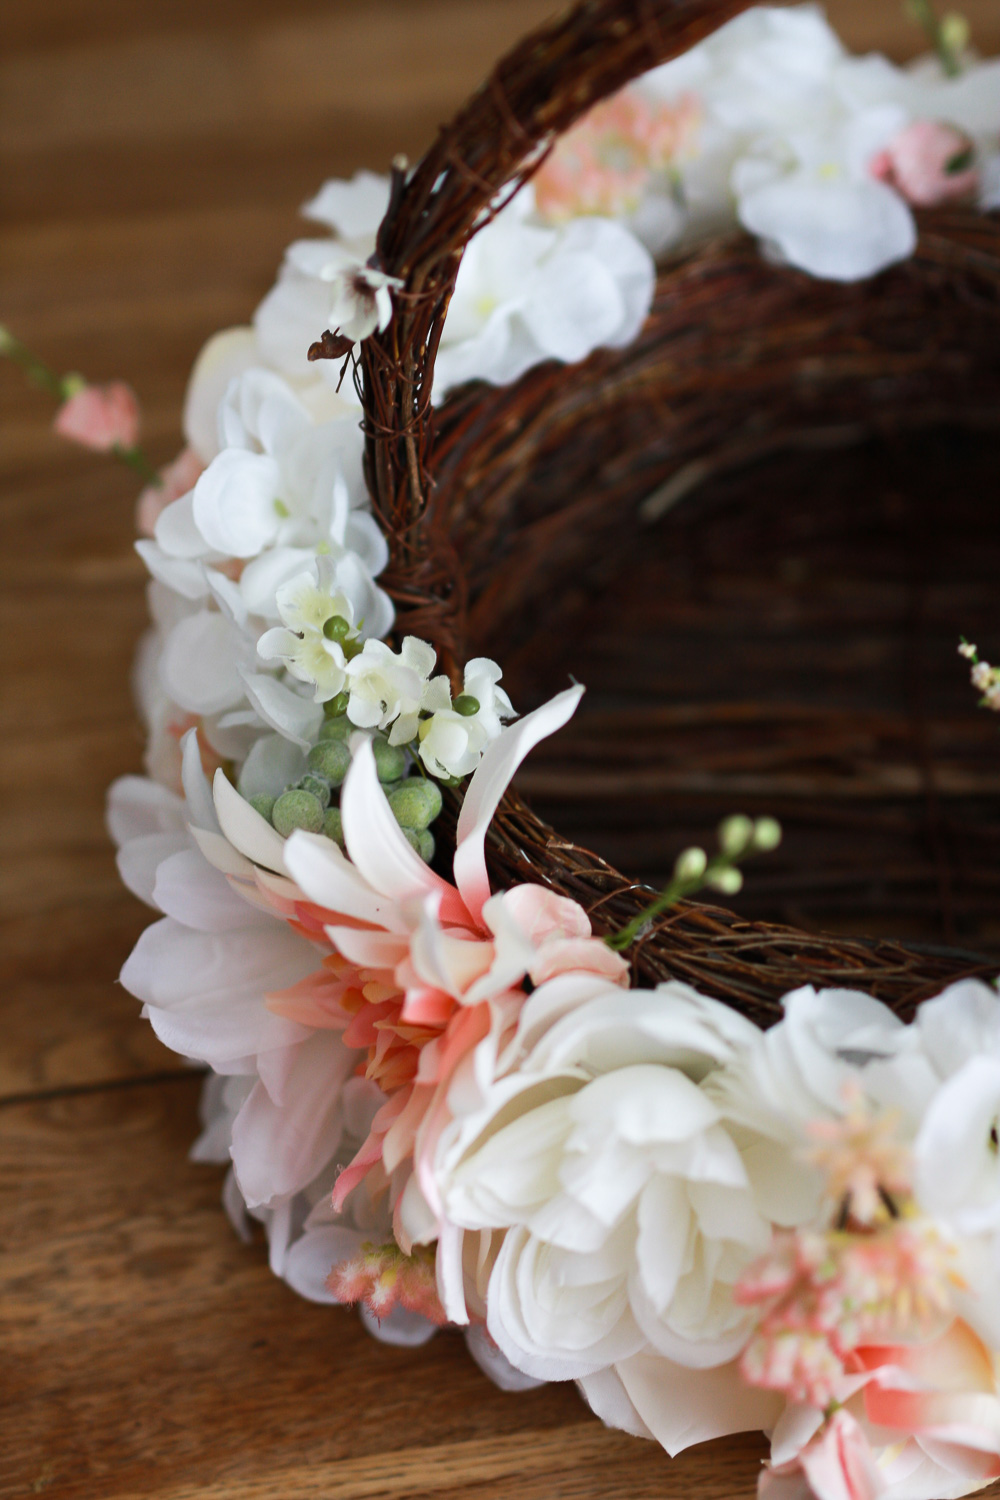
(820, 153)
(600, 1183)
(709, 1227)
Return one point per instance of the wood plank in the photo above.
(157, 1356)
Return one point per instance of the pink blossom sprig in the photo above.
(104, 418)
(383, 1278)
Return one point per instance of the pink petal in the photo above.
(101, 417)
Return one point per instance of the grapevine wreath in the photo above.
(722, 1173)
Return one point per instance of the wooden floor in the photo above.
(152, 157)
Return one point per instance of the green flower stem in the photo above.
(36, 372)
(739, 838)
(676, 891)
(137, 460)
(940, 34)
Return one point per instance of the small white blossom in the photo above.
(360, 300)
(389, 688)
(311, 652)
(452, 742)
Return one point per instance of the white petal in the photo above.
(354, 209)
(494, 1364)
(331, 881)
(189, 889)
(405, 1330)
(226, 355)
(841, 230)
(375, 841)
(234, 502)
(197, 792)
(682, 1406)
(272, 765)
(310, 1260)
(244, 827)
(279, 1148)
(140, 858)
(199, 667)
(137, 806)
(297, 719)
(184, 576)
(177, 533)
(205, 991)
(496, 770)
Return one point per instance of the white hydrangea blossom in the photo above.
(307, 604)
(388, 688)
(452, 743)
(791, 126)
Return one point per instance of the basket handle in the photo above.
(496, 141)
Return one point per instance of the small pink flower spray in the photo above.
(104, 418)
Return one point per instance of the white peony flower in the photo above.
(625, 1208)
(453, 739)
(389, 688)
(311, 651)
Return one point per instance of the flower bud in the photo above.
(422, 841)
(297, 809)
(466, 705)
(690, 864)
(330, 759)
(336, 729)
(336, 705)
(727, 880)
(318, 785)
(336, 628)
(766, 834)
(954, 33)
(735, 835)
(390, 760)
(333, 825)
(415, 803)
(263, 804)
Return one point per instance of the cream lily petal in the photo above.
(197, 792)
(375, 841)
(323, 875)
(245, 829)
(496, 770)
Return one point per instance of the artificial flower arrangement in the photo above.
(456, 1104)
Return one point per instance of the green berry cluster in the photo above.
(311, 803)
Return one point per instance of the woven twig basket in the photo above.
(502, 496)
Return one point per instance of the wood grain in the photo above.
(152, 160)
